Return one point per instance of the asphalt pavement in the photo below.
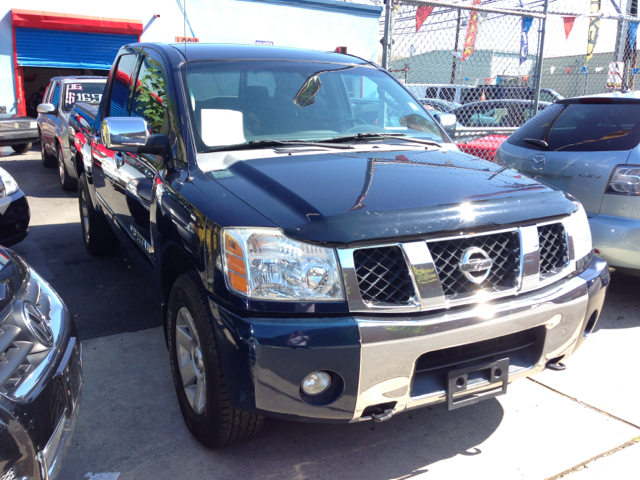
(580, 424)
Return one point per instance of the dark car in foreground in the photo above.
(590, 148)
(18, 132)
(317, 265)
(14, 211)
(40, 373)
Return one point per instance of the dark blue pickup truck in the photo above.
(324, 251)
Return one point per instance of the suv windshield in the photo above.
(89, 92)
(242, 101)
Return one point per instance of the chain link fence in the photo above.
(481, 60)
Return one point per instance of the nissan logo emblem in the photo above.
(475, 265)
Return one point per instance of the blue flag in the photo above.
(633, 32)
(524, 39)
(635, 71)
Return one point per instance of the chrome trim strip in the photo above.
(425, 277)
(469, 235)
(351, 287)
(529, 258)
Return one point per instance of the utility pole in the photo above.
(543, 29)
(455, 49)
(630, 57)
(387, 38)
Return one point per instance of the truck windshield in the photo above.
(89, 92)
(243, 101)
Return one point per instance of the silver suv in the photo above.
(590, 148)
(53, 118)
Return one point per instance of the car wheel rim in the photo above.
(61, 166)
(190, 361)
(85, 216)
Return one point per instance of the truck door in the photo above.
(107, 176)
(136, 172)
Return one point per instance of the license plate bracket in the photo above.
(497, 373)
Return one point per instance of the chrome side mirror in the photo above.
(447, 121)
(124, 134)
(45, 108)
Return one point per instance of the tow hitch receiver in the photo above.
(465, 378)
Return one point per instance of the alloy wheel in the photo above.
(190, 361)
(61, 165)
(84, 208)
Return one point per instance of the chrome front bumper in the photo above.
(70, 374)
(390, 349)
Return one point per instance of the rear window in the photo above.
(431, 92)
(89, 92)
(448, 93)
(536, 127)
(596, 128)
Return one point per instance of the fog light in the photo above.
(316, 383)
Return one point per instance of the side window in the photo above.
(122, 87)
(432, 92)
(55, 97)
(150, 96)
(47, 93)
(448, 93)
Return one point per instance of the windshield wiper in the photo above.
(267, 143)
(536, 143)
(380, 136)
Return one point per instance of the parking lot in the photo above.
(583, 422)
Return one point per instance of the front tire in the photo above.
(197, 371)
(22, 148)
(66, 182)
(99, 238)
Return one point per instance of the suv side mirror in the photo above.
(124, 134)
(447, 121)
(46, 108)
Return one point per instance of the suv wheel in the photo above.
(47, 160)
(67, 183)
(197, 371)
(99, 238)
(22, 148)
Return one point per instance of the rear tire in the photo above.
(197, 369)
(67, 183)
(48, 161)
(22, 148)
(99, 238)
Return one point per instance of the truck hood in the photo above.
(344, 198)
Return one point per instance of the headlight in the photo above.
(9, 185)
(262, 263)
(625, 180)
(578, 227)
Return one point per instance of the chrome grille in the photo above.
(502, 248)
(554, 254)
(383, 276)
(20, 351)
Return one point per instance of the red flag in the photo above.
(525, 78)
(568, 25)
(488, 81)
(568, 69)
(421, 15)
(472, 32)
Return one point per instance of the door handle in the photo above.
(119, 159)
